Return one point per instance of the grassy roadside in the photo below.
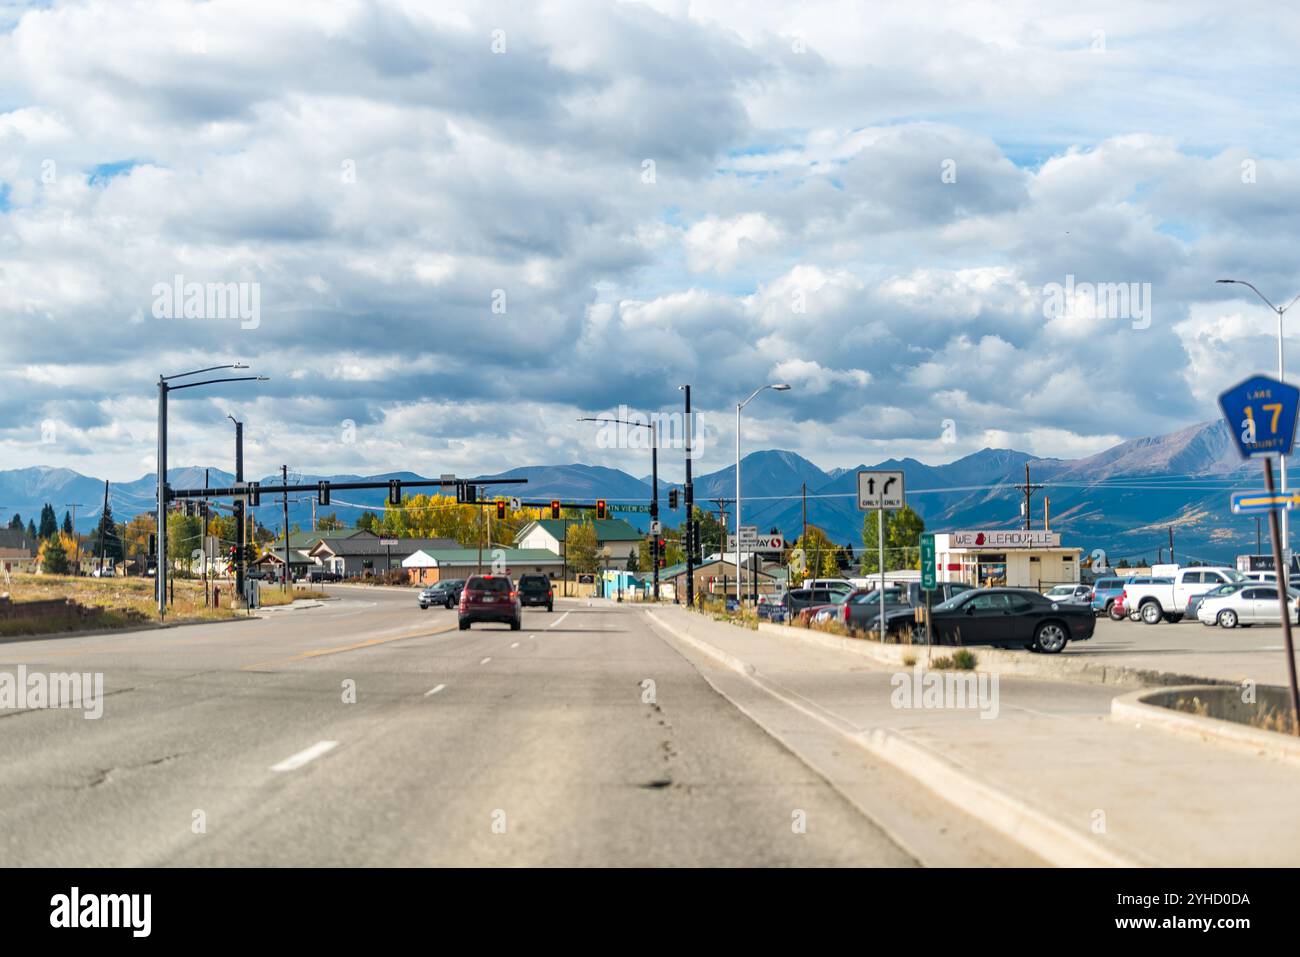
(124, 603)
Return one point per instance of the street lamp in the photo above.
(164, 389)
(689, 496)
(654, 482)
(776, 387)
(1281, 375)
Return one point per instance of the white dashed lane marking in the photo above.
(302, 757)
(433, 691)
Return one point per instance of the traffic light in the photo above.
(555, 508)
(662, 543)
(501, 509)
(672, 499)
(254, 494)
(663, 562)
(601, 509)
(153, 544)
(322, 493)
(394, 492)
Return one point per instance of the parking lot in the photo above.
(1189, 647)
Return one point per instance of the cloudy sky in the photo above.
(457, 229)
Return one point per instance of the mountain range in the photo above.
(1123, 499)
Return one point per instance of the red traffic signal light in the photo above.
(601, 509)
(501, 509)
(555, 508)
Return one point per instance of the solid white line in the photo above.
(302, 757)
(433, 691)
(558, 620)
(485, 660)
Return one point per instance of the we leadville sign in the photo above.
(1005, 538)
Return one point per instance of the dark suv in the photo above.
(536, 590)
(445, 593)
(490, 598)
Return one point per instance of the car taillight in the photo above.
(846, 614)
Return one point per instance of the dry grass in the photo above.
(127, 602)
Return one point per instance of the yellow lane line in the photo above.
(318, 652)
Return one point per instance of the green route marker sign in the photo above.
(929, 580)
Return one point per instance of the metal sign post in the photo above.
(881, 490)
(1261, 416)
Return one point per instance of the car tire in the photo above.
(1033, 647)
(550, 608)
(1227, 618)
(464, 626)
(516, 625)
(448, 605)
(1150, 613)
(1050, 637)
(1111, 613)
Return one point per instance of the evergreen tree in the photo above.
(107, 529)
(49, 521)
(16, 521)
(31, 529)
(54, 557)
(67, 523)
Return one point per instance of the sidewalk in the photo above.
(1051, 769)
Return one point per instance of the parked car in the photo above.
(490, 598)
(1078, 594)
(862, 613)
(536, 590)
(1011, 617)
(797, 599)
(1194, 603)
(1104, 593)
(1254, 604)
(1166, 599)
(445, 593)
(832, 608)
(1117, 611)
(841, 585)
(323, 575)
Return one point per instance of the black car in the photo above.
(323, 575)
(901, 604)
(536, 590)
(1011, 617)
(490, 598)
(797, 599)
(445, 593)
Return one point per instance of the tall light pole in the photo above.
(654, 482)
(777, 387)
(690, 506)
(165, 389)
(1281, 375)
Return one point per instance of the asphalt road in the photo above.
(369, 732)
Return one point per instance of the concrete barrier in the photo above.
(1224, 720)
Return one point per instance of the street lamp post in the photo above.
(654, 482)
(777, 387)
(165, 389)
(689, 497)
(1281, 375)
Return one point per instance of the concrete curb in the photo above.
(1133, 707)
(1039, 833)
(1022, 664)
(147, 626)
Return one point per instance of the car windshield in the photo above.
(1061, 590)
(1233, 575)
(1226, 589)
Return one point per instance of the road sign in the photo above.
(388, 542)
(880, 490)
(656, 528)
(514, 503)
(748, 533)
(928, 578)
(1263, 501)
(758, 543)
(616, 507)
(1261, 416)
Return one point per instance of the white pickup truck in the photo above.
(1167, 598)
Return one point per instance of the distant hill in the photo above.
(1123, 499)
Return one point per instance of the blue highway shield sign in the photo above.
(1261, 416)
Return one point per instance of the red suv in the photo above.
(490, 598)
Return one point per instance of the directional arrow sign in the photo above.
(1263, 501)
(880, 490)
(1261, 416)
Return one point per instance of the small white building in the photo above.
(1016, 557)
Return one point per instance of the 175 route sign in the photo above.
(1261, 415)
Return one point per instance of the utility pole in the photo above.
(654, 498)
(1258, 543)
(203, 538)
(804, 539)
(284, 477)
(102, 531)
(76, 565)
(722, 504)
(1171, 546)
(240, 527)
(1028, 489)
(690, 509)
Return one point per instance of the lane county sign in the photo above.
(1261, 416)
(880, 490)
(1261, 501)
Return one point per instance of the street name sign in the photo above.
(1261, 416)
(1262, 501)
(880, 490)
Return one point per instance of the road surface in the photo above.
(368, 732)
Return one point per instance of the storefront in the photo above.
(1019, 558)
